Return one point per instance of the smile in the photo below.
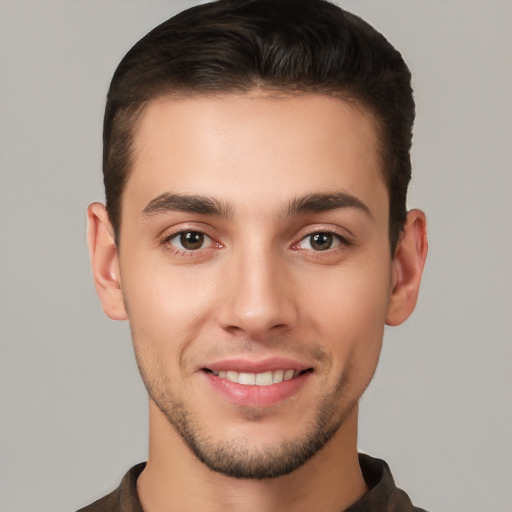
(262, 383)
(257, 379)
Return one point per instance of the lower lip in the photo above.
(257, 396)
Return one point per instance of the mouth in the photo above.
(257, 384)
(266, 378)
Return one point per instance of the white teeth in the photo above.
(232, 376)
(264, 379)
(278, 376)
(288, 374)
(258, 379)
(247, 378)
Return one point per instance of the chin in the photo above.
(237, 454)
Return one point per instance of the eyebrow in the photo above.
(202, 205)
(320, 202)
(205, 205)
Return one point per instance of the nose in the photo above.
(258, 295)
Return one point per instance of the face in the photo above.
(255, 267)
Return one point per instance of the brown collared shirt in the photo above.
(383, 496)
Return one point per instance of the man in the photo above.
(255, 234)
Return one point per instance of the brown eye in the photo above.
(192, 240)
(321, 241)
(189, 240)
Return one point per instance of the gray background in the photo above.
(73, 412)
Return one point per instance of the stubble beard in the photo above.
(236, 457)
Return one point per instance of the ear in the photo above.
(105, 262)
(407, 268)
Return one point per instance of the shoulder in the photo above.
(122, 499)
(383, 494)
(106, 504)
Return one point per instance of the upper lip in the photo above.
(249, 366)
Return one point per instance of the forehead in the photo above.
(254, 149)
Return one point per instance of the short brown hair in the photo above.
(282, 45)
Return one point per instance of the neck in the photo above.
(174, 479)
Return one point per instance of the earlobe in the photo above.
(408, 263)
(104, 261)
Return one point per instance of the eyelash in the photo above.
(342, 242)
(166, 242)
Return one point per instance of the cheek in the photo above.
(167, 304)
(349, 315)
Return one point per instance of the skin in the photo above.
(256, 289)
